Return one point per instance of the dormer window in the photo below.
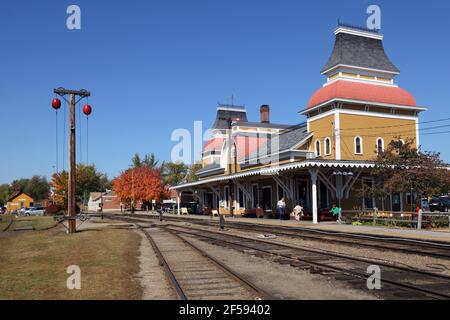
(327, 146)
(318, 149)
(358, 145)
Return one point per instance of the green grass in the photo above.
(5, 222)
(34, 264)
(36, 223)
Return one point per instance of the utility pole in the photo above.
(73, 94)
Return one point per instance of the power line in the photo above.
(390, 133)
(399, 125)
(431, 133)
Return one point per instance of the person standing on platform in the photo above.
(336, 211)
(221, 222)
(282, 209)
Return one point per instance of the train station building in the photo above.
(328, 159)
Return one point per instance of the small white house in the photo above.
(95, 202)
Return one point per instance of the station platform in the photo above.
(439, 235)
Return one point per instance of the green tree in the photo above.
(149, 161)
(38, 188)
(5, 193)
(191, 177)
(19, 185)
(174, 173)
(88, 180)
(136, 161)
(401, 166)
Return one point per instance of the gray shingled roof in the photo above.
(359, 51)
(263, 125)
(287, 139)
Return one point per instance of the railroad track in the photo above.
(194, 274)
(397, 282)
(410, 246)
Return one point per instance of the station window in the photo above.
(327, 146)
(380, 145)
(358, 145)
(318, 149)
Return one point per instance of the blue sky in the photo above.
(155, 66)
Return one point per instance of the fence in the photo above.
(398, 219)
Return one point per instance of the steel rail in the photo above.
(249, 285)
(336, 237)
(260, 293)
(167, 270)
(323, 265)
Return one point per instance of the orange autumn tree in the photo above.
(139, 184)
(59, 183)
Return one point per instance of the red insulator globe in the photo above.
(87, 110)
(56, 104)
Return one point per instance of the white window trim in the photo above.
(320, 148)
(361, 144)
(325, 146)
(382, 144)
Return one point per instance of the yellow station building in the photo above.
(356, 113)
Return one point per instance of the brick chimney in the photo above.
(265, 114)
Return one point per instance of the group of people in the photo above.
(298, 211)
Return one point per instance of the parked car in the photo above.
(439, 204)
(35, 212)
(425, 205)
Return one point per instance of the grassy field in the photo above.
(33, 264)
(36, 223)
(5, 222)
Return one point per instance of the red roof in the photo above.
(248, 145)
(214, 144)
(362, 91)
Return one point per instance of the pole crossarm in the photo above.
(82, 93)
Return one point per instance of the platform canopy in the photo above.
(273, 170)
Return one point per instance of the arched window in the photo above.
(380, 145)
(327, 146)
(318, 149)
(358, 145)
